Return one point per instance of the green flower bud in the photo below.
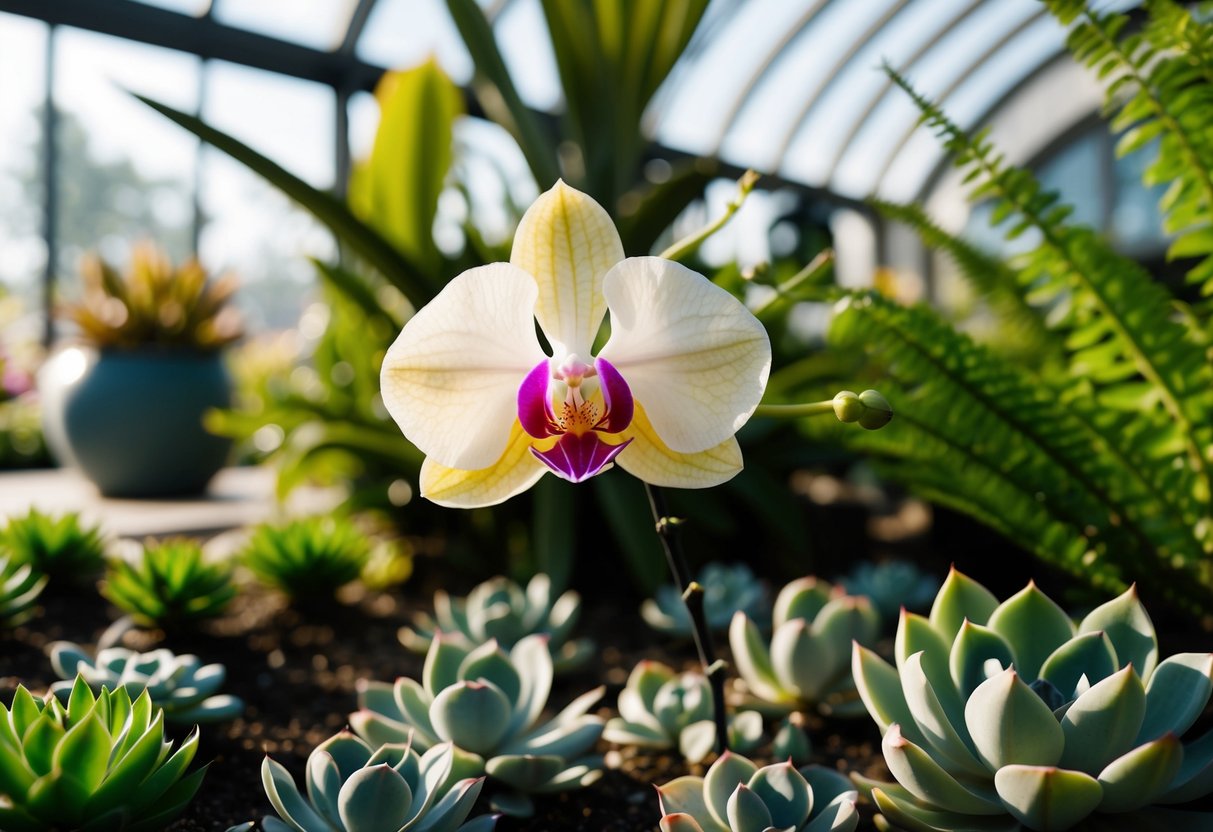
(848, 407)
(877, 411)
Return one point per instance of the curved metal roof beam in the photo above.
(903, 67)
(960, 78)
(774, 55)
(831, 75)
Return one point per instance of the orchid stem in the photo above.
(795, 411)
(688, 245)
(692, 596)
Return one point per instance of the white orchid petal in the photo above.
(692, 354)
(648, 458)
(451, 378)
(514, 472)
(567, 242)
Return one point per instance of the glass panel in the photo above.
(22, 91)
(251, 228)
(864, 158)
(706, 90)
(320, 24)
(1136, 220)
(1077, 173)
(125, 173)
(402, 33)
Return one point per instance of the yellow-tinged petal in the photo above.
(567, 241)
(515, 472)
(649, 459)
(689, 350)
(451, 378)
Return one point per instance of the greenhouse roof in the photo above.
(789, 87)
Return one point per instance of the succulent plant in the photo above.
(660, 708)
(891, 585)
(181, 685)
(20, 586)
(501, 609)
(309, 559)
(61, 547)
(1004, 716)
(737, 796)
(727, 589)
(352, 787)
(155, 303)
(488, 703)
(808, 663)
(99, 762)
(170, 585)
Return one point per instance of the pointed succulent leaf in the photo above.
(532, 654)
(827, 785)
(1134, 780)
(488, 662)
(1195, 776)
(84, 751)
(752, 658)
(697, 740)
(641, 735)
(679, 822)
(324, 785)
(578, 774)
(846, 619)
(348, 753)
(1103, 722)
(525, 772)
(745, 731)
(802, 598)
(40, 741)
(473, 715)
(1034, 624)
(285, 798)
(374, 799)
(837, 816)
(724, 776)
(949, 740)
(916, 634)
(1130, 630)
(974, 653)
(785, 794)
(1010, 724)
(377, 729)
(569, 740)
(879, 687)
(448, 812)
(804, 665)
(927, 780)
(413, 709)
(1089, 654)
(911, 816)
(791, 742)
(1047, 798)
(441, 668)
(746, 811)
(961, 599)
(1176, 695)
(646, 679)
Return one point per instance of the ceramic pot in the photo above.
(131, 420)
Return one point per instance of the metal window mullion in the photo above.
(50, 200)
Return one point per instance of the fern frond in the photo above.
(1124, 342)
(983, 435)
(995, 281)
(1159, 87)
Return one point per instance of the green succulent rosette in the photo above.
(352, 787)
(62, 547)
(806, 664)
(501, 609)
(660, 708)
(309, 558)
(169, 584)
(891, 585)
(488, 703)
(727, 589)
(95, 763)
(736, 795)
(183, 686)
(1009, 716)
(20, 586)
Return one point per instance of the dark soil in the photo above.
(297, 675)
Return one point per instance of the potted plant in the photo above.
(126, 406)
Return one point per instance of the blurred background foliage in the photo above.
(1068, 407)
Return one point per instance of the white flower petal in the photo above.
(691, 353)
(451, 378)
(647, 458)
(514, 472)
(567, 242)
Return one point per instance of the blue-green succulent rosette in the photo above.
(1010, 716)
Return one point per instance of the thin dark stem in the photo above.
(692, 596)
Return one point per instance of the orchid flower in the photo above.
(470, 384)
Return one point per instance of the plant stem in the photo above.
(692, 596)
(688, 245)
(795, 411)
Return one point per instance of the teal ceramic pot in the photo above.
(131, 420)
